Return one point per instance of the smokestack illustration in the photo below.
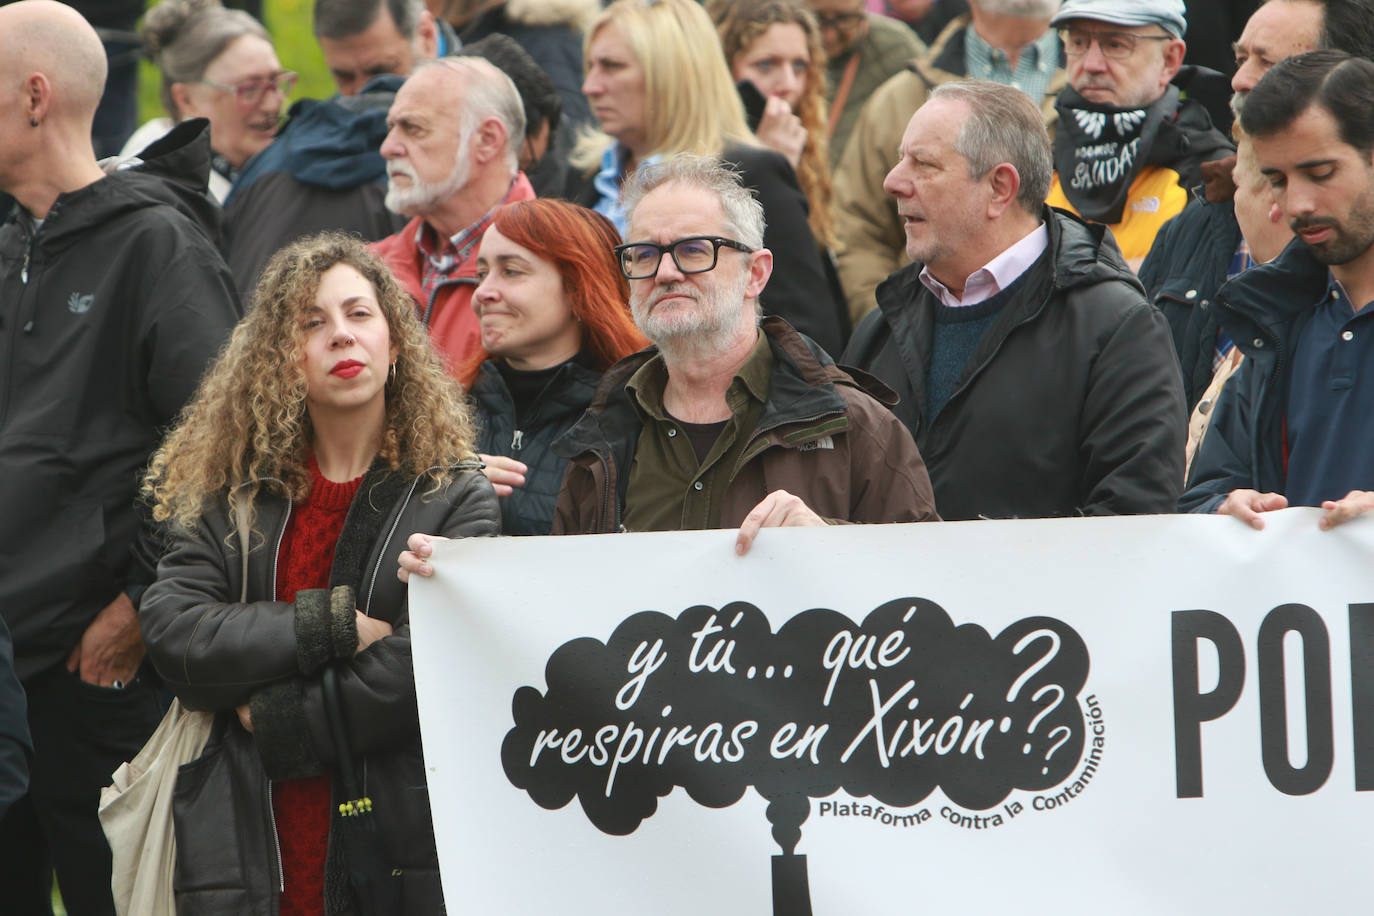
(791, 889)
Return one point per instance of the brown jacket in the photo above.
(872, 242)
(821, 438)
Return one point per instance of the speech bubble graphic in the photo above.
(714, 702)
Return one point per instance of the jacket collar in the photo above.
(1269, 297)
(802, 386)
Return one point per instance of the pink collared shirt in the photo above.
(995, 276)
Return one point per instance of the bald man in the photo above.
(112, 300)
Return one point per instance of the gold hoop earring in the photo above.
(391, 376)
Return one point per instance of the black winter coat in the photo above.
(217, 653)
(324, 171)
(109, 314)
(1069, 405)
(529, 509)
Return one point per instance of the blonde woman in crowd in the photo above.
(658, 84)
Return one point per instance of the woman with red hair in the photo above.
(552, 305)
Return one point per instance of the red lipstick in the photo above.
(346, 368)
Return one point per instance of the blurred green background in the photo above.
(288, 21)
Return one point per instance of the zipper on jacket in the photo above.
(276, 841)
(24, 271)
(608, 508)
(517, 441)
(276, 551)
(395, 523)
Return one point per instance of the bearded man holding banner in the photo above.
(728, 421)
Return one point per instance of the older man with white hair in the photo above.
(452, 155)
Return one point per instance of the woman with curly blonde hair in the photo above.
(324, 435)
(776, 46)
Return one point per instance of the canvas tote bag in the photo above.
(136, 810)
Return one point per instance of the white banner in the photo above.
(1124, 715)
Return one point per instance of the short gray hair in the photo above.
(743, 212)
(487, 93)
(1003, 125)
(183, 37)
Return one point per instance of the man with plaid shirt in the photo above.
(452, 149)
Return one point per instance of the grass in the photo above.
(288, 21)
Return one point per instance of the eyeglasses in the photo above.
(695, 254)
(838, 20)
(1114, 45)
(249, 93)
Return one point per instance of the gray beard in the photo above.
(422, 197)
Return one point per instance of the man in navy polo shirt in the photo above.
(1293, 426)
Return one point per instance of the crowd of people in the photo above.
(570, 268)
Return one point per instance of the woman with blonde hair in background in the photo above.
(658, 84)
(776, 46)
(326, 433)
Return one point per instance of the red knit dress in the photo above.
(302, 807)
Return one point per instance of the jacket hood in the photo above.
(174, 170)
(330, 143)
(1190, 138)
(802, 383)
(577, 14)
(1084, 253)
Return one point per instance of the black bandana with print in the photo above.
(1100, 149)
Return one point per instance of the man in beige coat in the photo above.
(1007, 41)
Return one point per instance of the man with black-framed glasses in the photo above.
(1127, 147)
(729, 421)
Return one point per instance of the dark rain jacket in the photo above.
(323, 171)
(1186, 266)
(216, 653)
(1263, 310)
(529, 509)
(109, 313)
(821, 437)
(1069, 405)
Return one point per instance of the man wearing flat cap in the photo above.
(1127, 147)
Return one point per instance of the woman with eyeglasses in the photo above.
(775, 45)
(219, 64)
(552, 305)
(658, 84)
(326, 433)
